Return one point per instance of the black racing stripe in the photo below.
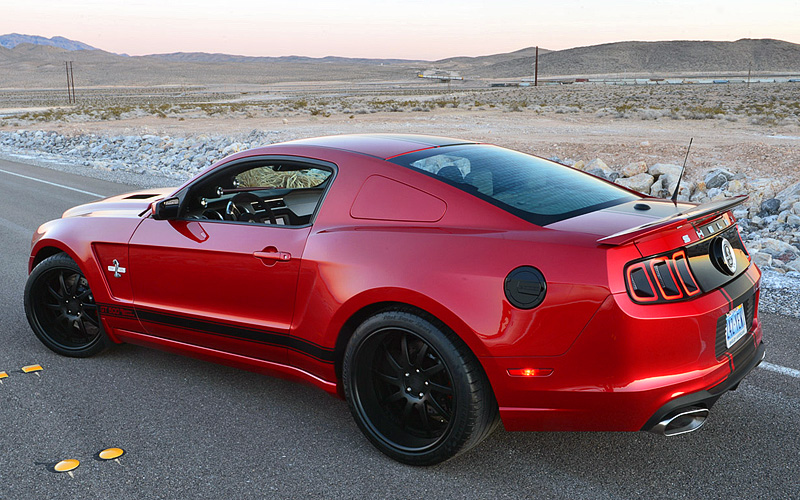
(266, 337)
(301, 346)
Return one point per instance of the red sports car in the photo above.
(438, 285)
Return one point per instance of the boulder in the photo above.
(770, 206)
(762, 259)
(640, 182)
(736, 187)
(777, 246)
(665, 168)
(636, 168)
(597, 163)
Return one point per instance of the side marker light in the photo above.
(31, 368)
(2, 376)
(530, 372)
(67, 465)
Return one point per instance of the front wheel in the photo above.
(415, 390)
(61, 310)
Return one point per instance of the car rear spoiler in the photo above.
(706, 211)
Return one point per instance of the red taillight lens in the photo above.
(665, 278)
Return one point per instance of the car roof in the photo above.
(383, 146)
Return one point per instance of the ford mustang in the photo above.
(440, 286)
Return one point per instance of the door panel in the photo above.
(223, 285)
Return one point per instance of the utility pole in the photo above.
(536, 69)
(749, 68)
(70, 83)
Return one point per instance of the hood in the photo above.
(123, 205)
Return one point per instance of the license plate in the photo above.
(736, 326)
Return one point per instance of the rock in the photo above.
(762, 259)
(603, 174)
(632, 169)
(777, 246)
(790, 193)
(770, 207)
(598, 163)
(579, 165)
(665, 168)
(793, 220)
(659, 189)
(715, 180)
(794, 265)
(796, 208)
(640, 182)
(736, 187)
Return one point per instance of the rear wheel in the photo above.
(415, 389)
(61, 310)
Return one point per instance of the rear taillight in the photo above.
(666, 278)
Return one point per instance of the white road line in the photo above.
(780, 369)
(52, 183)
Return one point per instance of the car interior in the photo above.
(285, 194)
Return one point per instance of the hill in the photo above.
(13, 39)
(35, 65)
(660, 59)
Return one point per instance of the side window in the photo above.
(274, 193)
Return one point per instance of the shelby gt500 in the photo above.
(440, 286)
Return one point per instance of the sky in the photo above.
(406, 29)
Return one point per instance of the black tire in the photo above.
(60, 308)
(415, 389)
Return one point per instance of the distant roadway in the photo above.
(192, 429)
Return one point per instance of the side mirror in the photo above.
(166, 209)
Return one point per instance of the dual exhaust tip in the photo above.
(686, 420)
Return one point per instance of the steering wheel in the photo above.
(240, 207)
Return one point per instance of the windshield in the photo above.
(537, 190)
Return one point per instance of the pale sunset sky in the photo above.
(408, 29)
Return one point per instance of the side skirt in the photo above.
(225, 358)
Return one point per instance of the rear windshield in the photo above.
(537, 190)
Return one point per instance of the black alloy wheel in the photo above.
(61, 310)
(415, 391)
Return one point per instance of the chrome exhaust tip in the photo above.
(682, 422)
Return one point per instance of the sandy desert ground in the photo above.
(754, 129)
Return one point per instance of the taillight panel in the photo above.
(662, 278)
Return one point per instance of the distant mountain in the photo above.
(222, 58)
(13, 39)
(28, 65)
(657, 59)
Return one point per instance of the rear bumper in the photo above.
(633, 364)
(749, 359)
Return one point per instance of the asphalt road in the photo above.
(192, 429)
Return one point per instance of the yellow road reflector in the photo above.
(66, 465)
(32, 368)
(111, 453)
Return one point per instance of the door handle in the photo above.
(275, 255)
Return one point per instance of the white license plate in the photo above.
(736, 326)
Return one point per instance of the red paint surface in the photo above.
(613, 362)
